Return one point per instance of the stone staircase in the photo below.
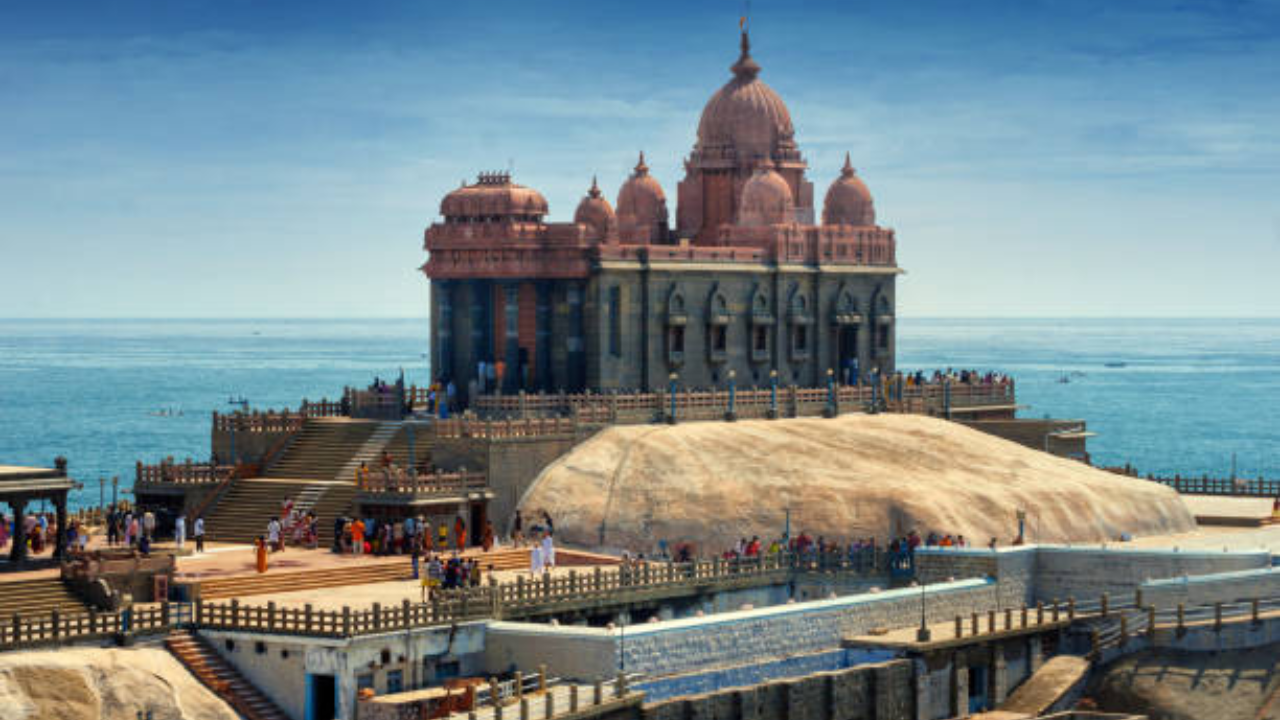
(324, 449)
(243, 512)
(32, 598)
(220, 677)
(370, 452)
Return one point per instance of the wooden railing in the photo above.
(183, 473)
(57, 627)
(437, 483)
(1205, 485)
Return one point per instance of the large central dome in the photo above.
(745, 116)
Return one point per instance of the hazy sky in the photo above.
(1037, 157)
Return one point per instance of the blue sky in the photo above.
(228, 158)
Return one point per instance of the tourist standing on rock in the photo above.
(199, 533)
(551, 527)
(180, 531)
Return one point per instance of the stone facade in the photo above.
(745, 286)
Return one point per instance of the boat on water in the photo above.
(1116, 364)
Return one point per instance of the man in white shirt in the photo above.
(199, 534)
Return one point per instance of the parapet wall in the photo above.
(1047, 572)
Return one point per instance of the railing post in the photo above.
(977, 629)
(377, 616)
(17, 628)
(1137, 597)
(56, 617)
(271, 616)
(1095, 642)
(164, 613)
(519, 684)
(1217, 617)
(991, 621)
(620, 689)
(307, 618)
(524, 708)
(542, 678)
(1056, 606)
(1103, 602)
(1124, 629)
(1071, 609)
(1024, 615)
(346, 621)
(959, 627)
(495, 694)
(235, 613)
(199, 613)
(1008, 618)
(573, 698)
(1039, 612)
(597, 695)
(550, 710)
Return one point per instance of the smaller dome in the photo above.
(494, 196)
(848, 200)
(766, 198)
(596, 213)
(641, 201)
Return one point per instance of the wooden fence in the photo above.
(437, 483)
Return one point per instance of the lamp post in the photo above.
(831, 393)
(923, 634)
(730, 416)
(672, 417)
(773, 394)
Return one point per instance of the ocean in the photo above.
(1189, 395)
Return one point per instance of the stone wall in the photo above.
(1086, 573)
(511, 465)
(882, 691)
(685, 645)
(1047, 572)
(1226, 587)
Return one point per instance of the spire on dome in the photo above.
(595, 189)
(641, 168)
(847, 170)
(745, 69)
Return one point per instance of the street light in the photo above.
(831, 393)
(730, 416)
(773, 397)
(672, 417)
(923, 634)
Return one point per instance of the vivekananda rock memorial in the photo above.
(746, 285)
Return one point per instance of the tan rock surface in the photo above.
(856, 476)
(103, 684)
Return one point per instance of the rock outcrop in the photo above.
(103, 684)
(855, 476)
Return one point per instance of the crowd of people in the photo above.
(40, 532)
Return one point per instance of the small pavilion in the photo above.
(22, 485)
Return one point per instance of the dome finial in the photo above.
(595, 189)
(745, 69)
(847, 170)
(641, 168)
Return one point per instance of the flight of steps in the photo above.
(241, 515)
(370, 453)
(324, 448)
(33, 598)
(398, 446)
(220, 677)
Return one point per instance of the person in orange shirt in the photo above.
(260, 549)
(460, 532)
(357, 537)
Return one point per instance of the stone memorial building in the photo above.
(744, 283)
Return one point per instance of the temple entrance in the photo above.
(847, 353)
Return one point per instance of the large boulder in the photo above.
(854, 476)
(103, 684)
